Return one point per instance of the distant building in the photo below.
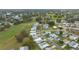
(77, 23)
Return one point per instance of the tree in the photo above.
(51, 23)
(39, 19)
(67, 47)
(21, 36)
(23, 33)
(61, 42)
(78, 40)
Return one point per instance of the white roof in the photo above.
(34, 37)
(8, 13)
(50, 39)
(17, 17)
(32, 34)
(38, 40)
(64, 34)
(54, 36)
(43, 45)
(66, 42)
(47, 32)
(63, 46)
(36, 23)
(33, 29)
(73, 37)
(45, 26)
(48, 48)
(24, 48)
(54, 27)
(73, 44)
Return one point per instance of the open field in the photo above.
(7, 38)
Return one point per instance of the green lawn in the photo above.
(11, 32)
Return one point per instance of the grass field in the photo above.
(8, 40)
(7, 37)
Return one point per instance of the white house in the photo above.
(34, 37)
(57, 31)
(16, 17)
(65, 34)
(73, 37)
(73, 44)
(63, 46)
(9, 13)
(50, 40)
(38, 40)
(33, 29)
(66, 41)
(33, 34)
(47, 32)
(45, 26)
(24, 48)
(77, 23)
(43, 45)
(55, 37)
(48, 48)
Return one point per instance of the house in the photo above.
(36, 23)
(73, 44)
(47, 32)
(73, 37)
(48, 48)
(50, 40)
(55, 37)
(9, 13)
(77, 23)
(17, 17)
(57, 31)
(65, 34)
(54, 46)
(34, 36)
(24, 48)
(54, 27)
(45, 26)
(63, 46)
(0, 24)
(43, 45)
(32, 32)
(38, 40)
(66, 41)
(33, 28)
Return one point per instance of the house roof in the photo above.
(43, 45)
(73, 44)
(38, 40)
(54, 36)
(45, 26)
(73, 37)
(24, 48)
